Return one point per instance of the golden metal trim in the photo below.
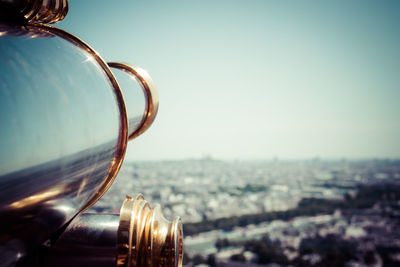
(150, 92)
(59, 13)
(31, 10)
(119, 154)
(124, 229)
(146, 238)
(41, 11)
(47, 10)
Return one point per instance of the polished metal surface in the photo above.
(90, 240)
(44, 11)
(146, 238)
(63, 133)
(63, 137)
(140, 236)
(137, 127)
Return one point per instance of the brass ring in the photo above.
(42, 11)
(124, 232)
(119, 154)
(150, 92)
(146, 238)
(31, 10)
(45, 11)
(61, 10)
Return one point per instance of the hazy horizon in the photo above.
(271, 159)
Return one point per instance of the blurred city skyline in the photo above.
(257, 79)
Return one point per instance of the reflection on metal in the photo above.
(45, 11)
(64, 133)
(89, 240)
(141, 234)
(63, 137)
(37, 198)
(116, 162)
(151, 94)
(146, 238)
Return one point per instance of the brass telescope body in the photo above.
(65, 124)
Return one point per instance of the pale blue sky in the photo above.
(257, 79)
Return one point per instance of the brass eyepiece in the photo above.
(43, 11)
(146, 238)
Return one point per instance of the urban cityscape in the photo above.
(274, 212)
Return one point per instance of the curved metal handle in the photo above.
(150, 92)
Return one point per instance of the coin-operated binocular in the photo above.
(65, 124)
